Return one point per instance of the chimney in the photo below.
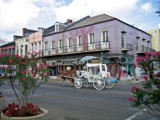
(69, 21)
(40, 29)
(23, 32)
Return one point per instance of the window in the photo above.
(53, 44)
(138, 42)
(149, 45)
(39, 45)
(69, 43)
(26, 49)
(104, 36)
(21, 49)
(17, 50)
(35, 46)
(91, 38)
(123, 39)
(60, 45)
(46, 45)
(32, 47)
(79, 41)
(57, 27)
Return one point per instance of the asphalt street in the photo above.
(69, 103)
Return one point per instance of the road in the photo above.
(69, 103)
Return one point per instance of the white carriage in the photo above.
(94, 74)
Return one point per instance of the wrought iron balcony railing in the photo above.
(143, 49)
(86, 47)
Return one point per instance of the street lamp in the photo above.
(101, 57)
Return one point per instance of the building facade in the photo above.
(103, 36)
(35, 43)
(155, 38)
(21, 42)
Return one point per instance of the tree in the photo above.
(24, 75)
(147, 97)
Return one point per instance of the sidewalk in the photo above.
(134, 81)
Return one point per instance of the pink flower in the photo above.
(10, 61)
(139, 59)
(24, 63)
(17, 56)
(36, 67)
(34, 74)
(134, 88)
(23, 72)
(23, 79)
(131, 99)
(145, 77)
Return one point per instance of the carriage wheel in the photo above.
(78, 83)
(99, 83)
(109, 84)
(86, 83)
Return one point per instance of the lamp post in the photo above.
(101, 57)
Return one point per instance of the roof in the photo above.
(8, 44)
(86, 21)
(91, 20)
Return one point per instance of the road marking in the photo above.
(136, 114)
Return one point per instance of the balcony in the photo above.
(97, 46)
(105, 45)
(143, 49)
(126, 47)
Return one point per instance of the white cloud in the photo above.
(147, 7)
(80, 8)
(17, 13)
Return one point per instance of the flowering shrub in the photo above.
(15, 110)
(24, 75)
(147, 98)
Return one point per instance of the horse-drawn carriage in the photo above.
(92, 74)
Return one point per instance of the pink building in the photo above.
(35, 41)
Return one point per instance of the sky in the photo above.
(31, 14)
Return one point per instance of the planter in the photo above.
(2, 104)
(42, 116)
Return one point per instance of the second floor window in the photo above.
(91, 38)
(53, 44)
(60, 45)
(35, 45)
(79, 41)
(39, 45)
(104, 36)
(46, 45)
(26, 49)
(69, 42)
(149, 45)
(123, 39)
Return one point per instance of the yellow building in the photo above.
(155, 39)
